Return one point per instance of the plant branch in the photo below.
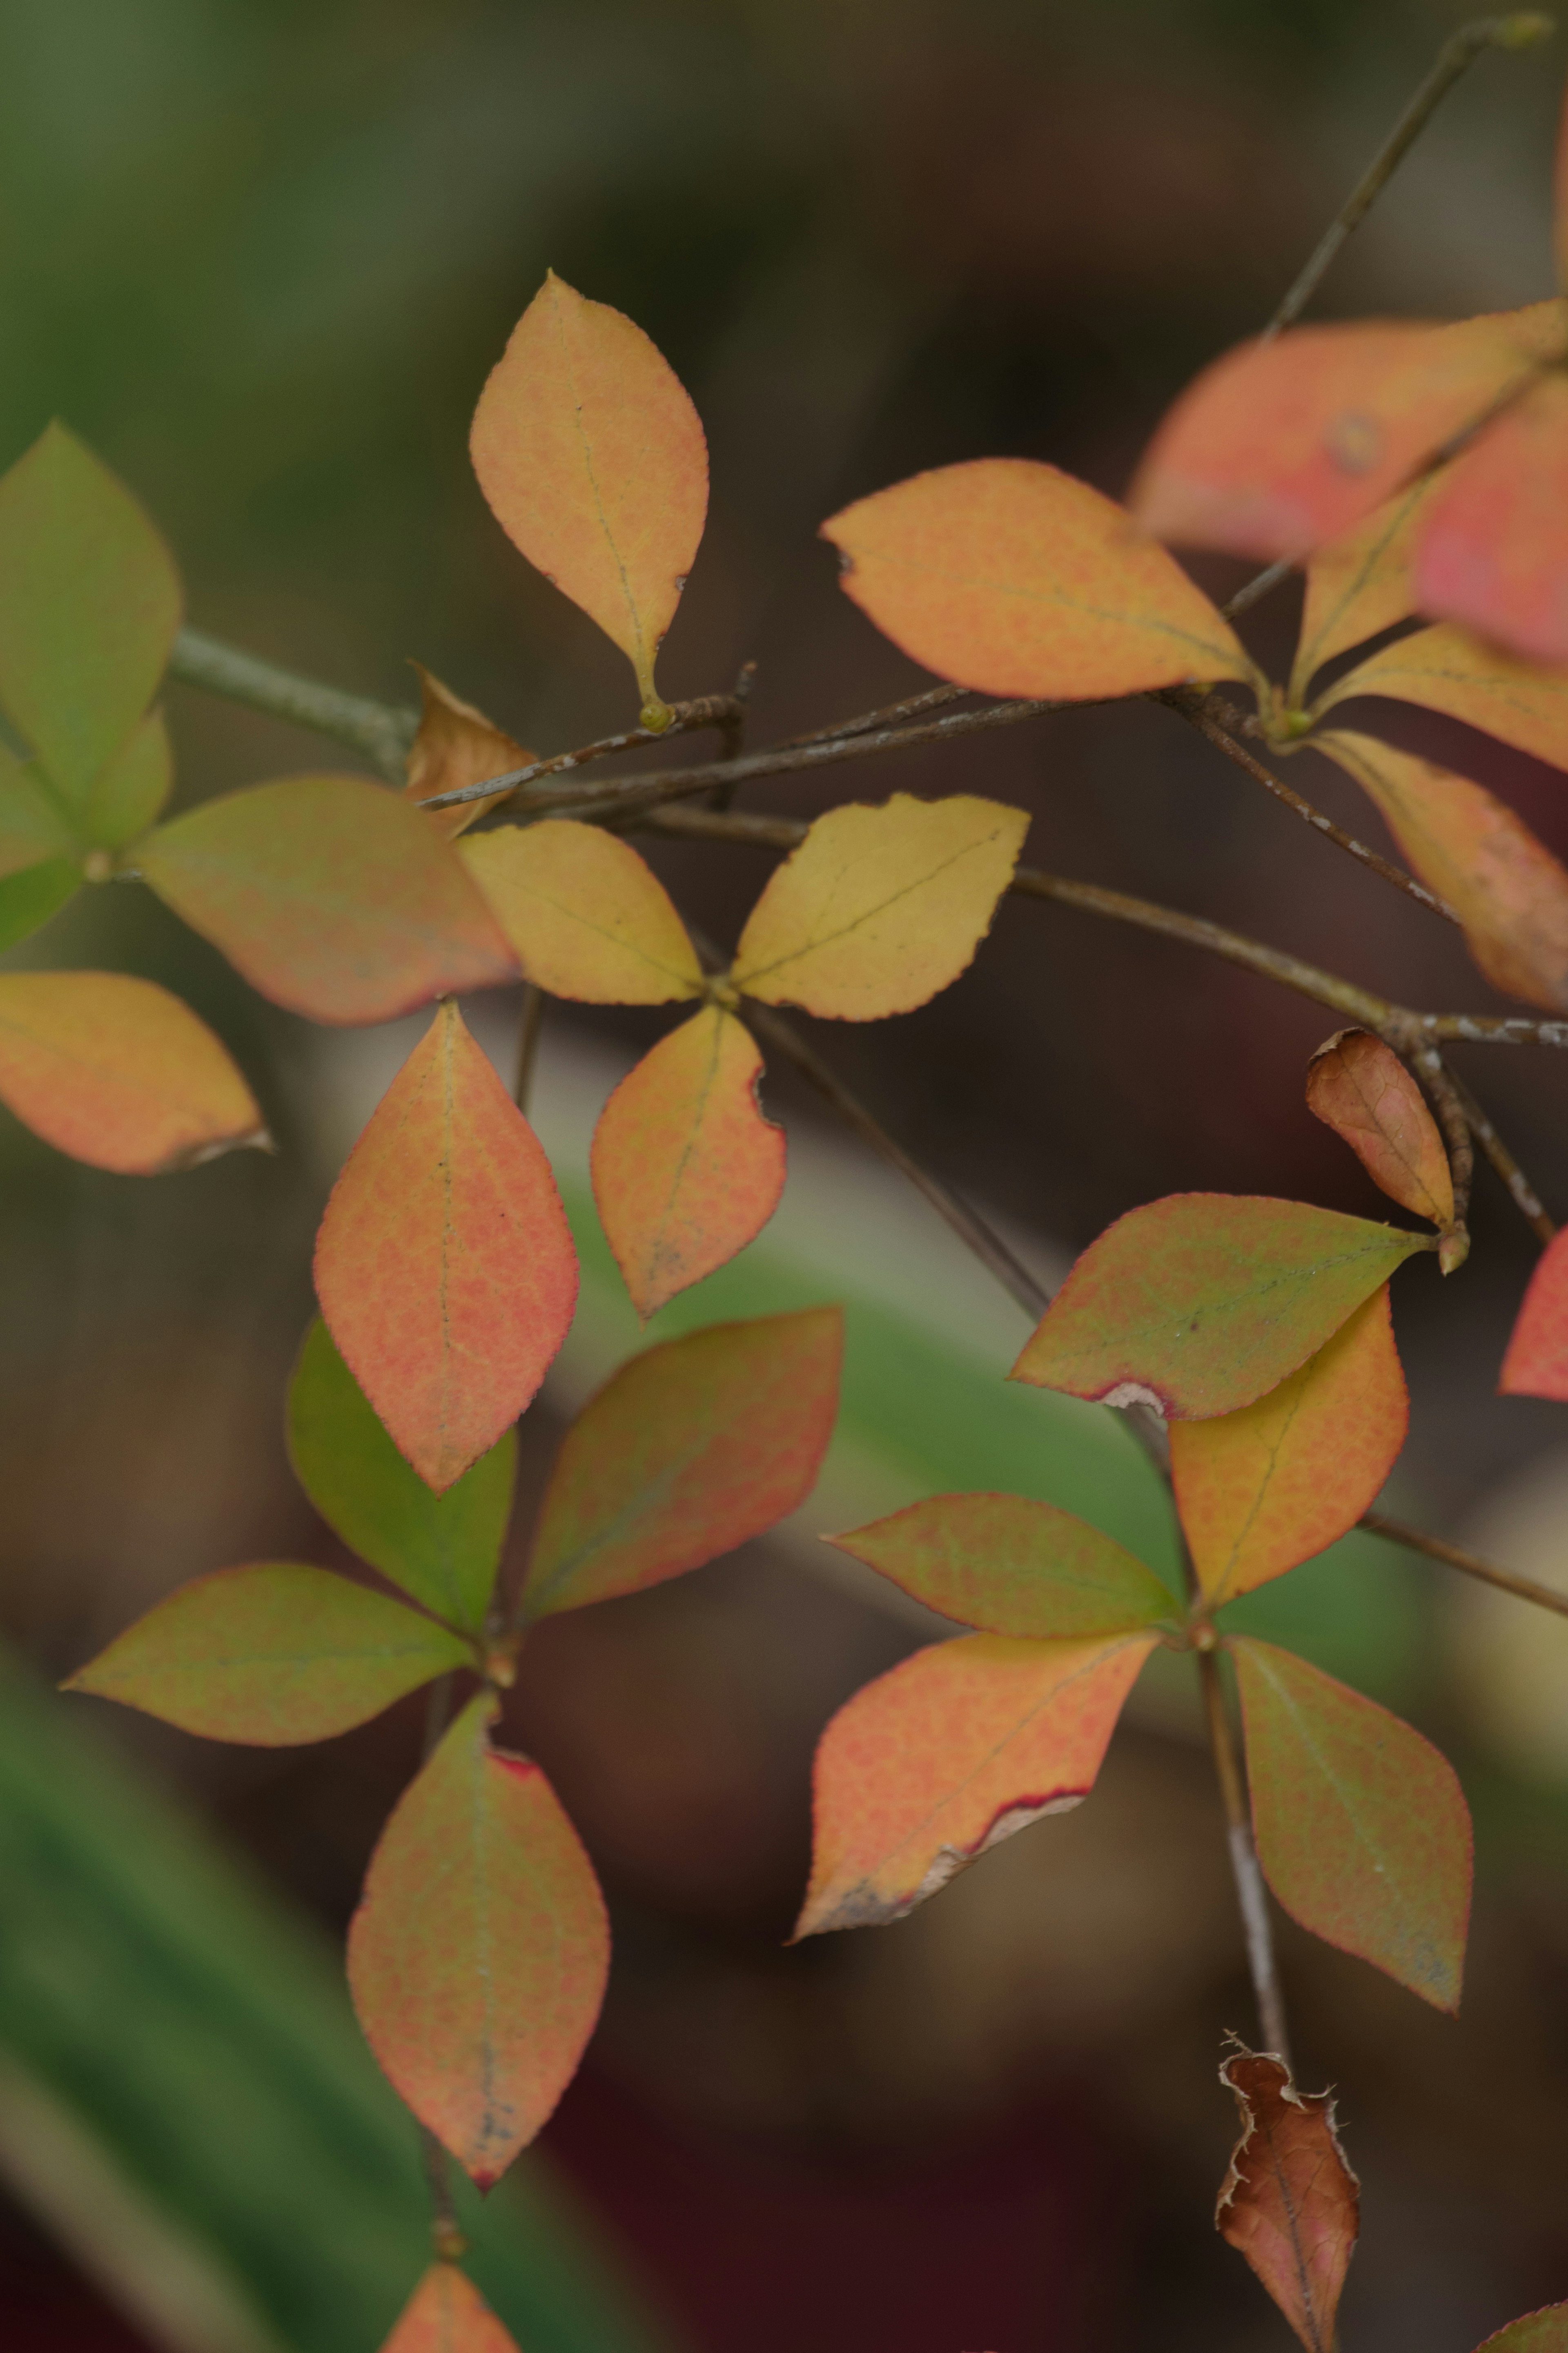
(892, 715)
(1251, 1895)
(1523, 1589)
(1457, 54)
(381, 732)
(1455, 1245)
(1521, 1190)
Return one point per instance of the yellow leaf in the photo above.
(1450, 670)
(456, 746)
(879, 908)
(584, 915)
(1362, 584)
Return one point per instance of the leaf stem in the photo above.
(1523, 1589)
(1251, 1895)
(381, 732)
(1522, 1192)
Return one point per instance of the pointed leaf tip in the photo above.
(1360, 1088)
(1535, 2332)
(1007, 1565)
(1289, 2204)
(447, 2314)
(1536, 1363)
(456, 745)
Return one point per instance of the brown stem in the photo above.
(1522, 1192)
(734, 729)
(1439, 1084)
(892, 715)
(1524, 1589)
(1251, 1895)
(530, 1024)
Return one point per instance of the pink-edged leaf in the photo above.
(119, 1073)
(1536, 1363)
(272, 1655)
(1491, 553)
(685, 1168)
(1200, 1304)
(690, 1450)
(1360, 1088)
(1362, 1826)
(1536, 2332)
(1289, 2202)
(332, 896)
(447, 2314)
(444, 1264)
(477, 1955)
(456, 746)
(1010, 1566)
(951, 1753)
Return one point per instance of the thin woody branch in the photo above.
(1521, 1190)
(1251, 1893)
(381, 733)
(1523, 1589)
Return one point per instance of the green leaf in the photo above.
(32, 821)
(30, 898)
(1008, 1565)
(89, 602)
(690, 1450)
(125, 796)
(443, 1549)
(1537, 2332)
(1200, 1304)
(1362, 1826)
(272, 1655)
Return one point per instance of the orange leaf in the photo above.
(1290, 2203)
(331, 896)
(1010, 1566)
(593, 462)
(1280, 446)
(1450, 670)
(1260, 1490)
(444, 1264)
(1360, 1088)
(951, 1753)
(478, 1957)
(447, 2314)
(1537, 2332)
(1360, 585)
(1013, 578)
(1536, 1363)
(1490, 552)
(686, 1170)
(1362, 1826)
(879, 908)
(456, 746)
(587, 916)
(119, 1073)
(686, 1451)
(1509, 891)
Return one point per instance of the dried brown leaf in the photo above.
(456, 745)
(1289, 2204)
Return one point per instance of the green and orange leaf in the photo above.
(1536, 1363)
(1448, 670)
(586, 917)
(456, 746)
(879, 908)
(690, 1450)
(685, 1168)
(1360, 1088)
(444, 1264)
(1014, 578)
(954, 1750)
(447, 2314)
(1490, 552)
(1010, 1566)
(1289, 2204)
(478, 1954)
(1362, 584)
(272, 1655)
(1537, 2332)
(1362, 1826)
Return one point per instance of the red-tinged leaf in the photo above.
(1537, 2332)
(1360, 1088)
(272, 1655)
(1505, 887)
(331, 896)
(949, 1754)
(1260, 1490)
(1360, 585)
(879, 908)
(1009, 1566)
(1490, 554)
(1362, 1826)
(447, 2314)
(686, 1451)
(456, 746)
(89, 602)
(587, 916)
(1200, 1304)
(593, 462)
(1289, 2204)
(1280, 446)
(444, 1263)
(477, 1955)
(1012, 578)
(1450, 670)
(1536, 1363)
(119, 1073)
(685, 1168)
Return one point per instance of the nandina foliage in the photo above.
(1289, 2202)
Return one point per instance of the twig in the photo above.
(382, 732)
(734, 729)
(1455, 1246)
(1455, 58)
(1253, 591)
(1251, 1895)
(1523, 1589)
(892, 715)
(530, 1022)
(1521, 1190)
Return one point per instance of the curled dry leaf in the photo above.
(447, 2314)
(685, 1168)
(1360, 1088)
(1200, 1304)
(1260, 1490)
(690, 1450)
(1448, 670)
(331, 895)
(119, 1073)
(1536, 1363)
(1010, 1566)
(593, 462)
(456, 746)
(587, 916)
(1537, 2332)
(879, 908)
(949, 1754)
(1362, 1826)
(1289, 2202)
(1490, 554)
(477, 1955)
(1014, 578)
(444, 1264)
(1505, 886)
(273, 1654)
